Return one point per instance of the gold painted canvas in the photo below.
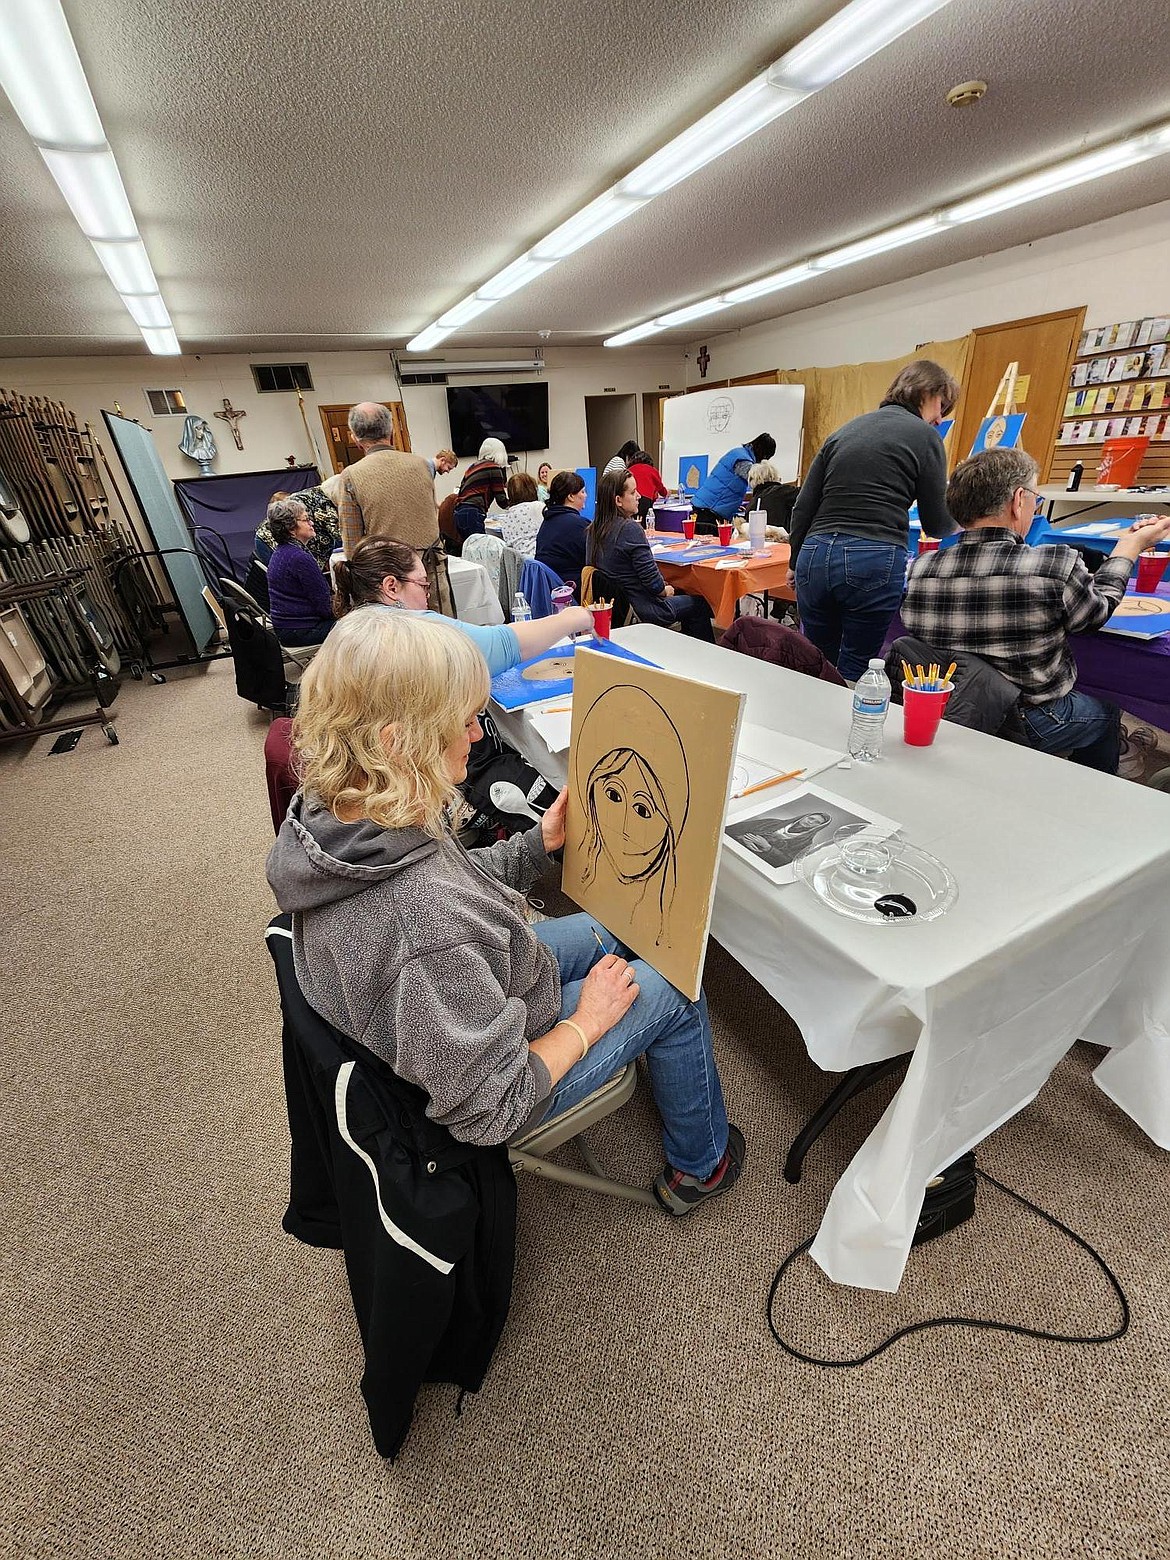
(649, 771)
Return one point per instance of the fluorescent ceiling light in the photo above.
(41, 73)
(745, 112)
(164, 343)
(462, 312)
(595, 218)
(1062, 176)
(127, 265)
(892, 238)
(858, 31)
(426, 339)
(92, 187)
(635, 333)
(693, 311)
(513, 277)
(148, 311)
(770, 284)
(854, 35)
(1078, 170)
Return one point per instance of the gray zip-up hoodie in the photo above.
(416, 948)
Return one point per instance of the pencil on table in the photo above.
(763, 785)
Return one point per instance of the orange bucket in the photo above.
(1121, 460)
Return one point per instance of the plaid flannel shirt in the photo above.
(1015, 605)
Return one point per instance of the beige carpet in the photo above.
(182, 1377)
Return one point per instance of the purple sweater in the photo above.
(300, 604)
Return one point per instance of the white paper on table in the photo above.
(554, 730)
(783, 824)
(774, 753)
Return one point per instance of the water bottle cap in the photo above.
(877, 664)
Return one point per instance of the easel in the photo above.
(1005, 391)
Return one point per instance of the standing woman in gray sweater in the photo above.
(850, 527)
(423, 951)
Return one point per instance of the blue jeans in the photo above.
(1088, 729)
(847, 590)
(673, 1033)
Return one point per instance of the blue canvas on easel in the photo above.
(692, 471)
(511, 690)
(588, 475)
(999, 433)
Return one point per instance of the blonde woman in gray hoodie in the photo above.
(423, 951)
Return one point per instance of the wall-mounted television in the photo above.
(517, 414)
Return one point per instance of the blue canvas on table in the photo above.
(999, 432)
(512, 690)
(1139, 616)
(692, 472)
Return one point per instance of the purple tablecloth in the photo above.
(1133, 673)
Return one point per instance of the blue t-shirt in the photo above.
(496, 642)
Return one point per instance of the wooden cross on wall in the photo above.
(703, 360)
(231, 415)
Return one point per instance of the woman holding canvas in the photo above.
(424, 951)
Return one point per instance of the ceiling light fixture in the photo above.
(43, 77)
(127, 265)
(855, 34)
(513, 277)
(1061, 176)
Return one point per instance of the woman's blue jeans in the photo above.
(847, 591)
(672, 1032)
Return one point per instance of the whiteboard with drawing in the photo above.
(708, 423)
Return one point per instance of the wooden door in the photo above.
(1044, 347)
(342, 450)
(652, 404)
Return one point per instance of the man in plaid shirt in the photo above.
(1014, 605)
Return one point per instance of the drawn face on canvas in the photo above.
(631, 819)
(719, 414)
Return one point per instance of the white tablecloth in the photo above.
(1061, 930)
(475, 600)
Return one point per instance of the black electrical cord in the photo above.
(963, 1321)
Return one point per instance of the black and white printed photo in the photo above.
(773, 837)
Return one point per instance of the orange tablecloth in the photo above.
(723, 587)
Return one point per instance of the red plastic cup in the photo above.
(602, 619)
(689, 528)
(927, 544)
(1150, 569)
(725, 533)
(921, 714)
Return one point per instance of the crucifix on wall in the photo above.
(703, 360)
(231, 415)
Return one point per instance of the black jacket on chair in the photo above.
(983, 700)
(427, 1224)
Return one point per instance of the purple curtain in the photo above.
(234, 506)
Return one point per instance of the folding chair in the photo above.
(528, 1153)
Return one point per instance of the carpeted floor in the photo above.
(181, 1377)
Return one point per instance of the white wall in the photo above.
(273, 428)
(1119, 268)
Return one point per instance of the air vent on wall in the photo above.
(405, 378)
(271, 377)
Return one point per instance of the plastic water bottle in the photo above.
(522, 613)
(871, 702)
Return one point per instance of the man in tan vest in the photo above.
(391, 493)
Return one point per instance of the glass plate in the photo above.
(916, 886)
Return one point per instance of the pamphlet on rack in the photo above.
(773, 833)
